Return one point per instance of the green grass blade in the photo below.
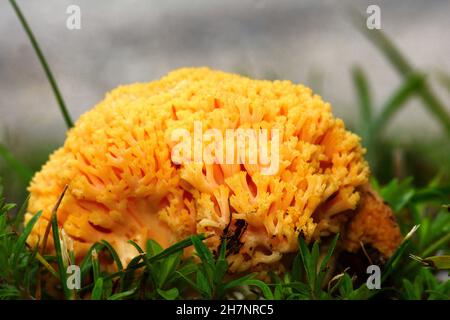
(174, 248)
(313, 265)
(168, 267)
(18, 219)
(202, 251)
(58, 249)
(412, 83)
(365, 101)
(114, 254)
(436, 107)
(46, 265)
(86, 263)
(429, 194)
(203, 285)
(398, 194)
(95, 265)
(296, 271)
(129, 274)
(308, 261)
(122, 295)
(185, 270)
(97, 292)
(170, 294)
(324, 264)
(394, 260)
(45, 66)
(185, 278)
(221, 264)
(329, 252)
(138, 247)
(267, 293)
(24, 172)
(116, 259)
(436, 245)
(20, 244)
(238, 282)
(59, 258)
(153, 248)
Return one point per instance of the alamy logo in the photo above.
(374, 19)
(73, 21)
(238, 146)
(74, 277)
(374, 280)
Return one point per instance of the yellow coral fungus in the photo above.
(124, 185)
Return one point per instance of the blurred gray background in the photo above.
(311, 42)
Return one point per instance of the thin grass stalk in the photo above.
(45, 66)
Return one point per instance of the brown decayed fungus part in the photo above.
(374, 224)
(124, 185)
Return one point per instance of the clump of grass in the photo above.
(157, 273)
(18, 263)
